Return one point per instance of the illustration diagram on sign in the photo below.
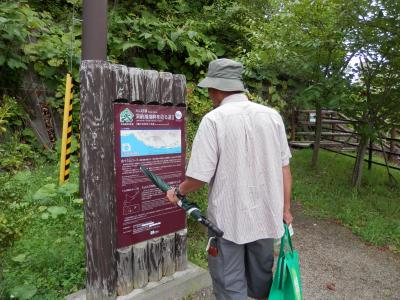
(129, 205)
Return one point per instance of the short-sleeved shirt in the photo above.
(239, 150)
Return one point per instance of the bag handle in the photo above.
(282, 266)
(281, 273)
(286, 236)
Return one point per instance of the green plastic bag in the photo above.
(286, 284)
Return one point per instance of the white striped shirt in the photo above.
(240, 149)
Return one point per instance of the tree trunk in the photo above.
(357, 171)
(318, 130)
(392, 157)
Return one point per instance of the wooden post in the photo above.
(136, 85)
(124, 270)
(121, 83)
(152, 87)
(166, 88)
(140, 265)
(293, 125)
(97, 178)
(168, 255)
(318, 131)
(181, 251)
(94, 30)
(179, 90)
(155, 267)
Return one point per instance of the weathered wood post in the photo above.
(181, 251)
(125, 270)
(136, 85)
(97, 148)
(97, 178)
(140, 265)
(124, 250)
(168, 255)
(155, 263)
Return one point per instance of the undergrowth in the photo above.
(41, 235)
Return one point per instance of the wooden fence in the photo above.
(338, 136)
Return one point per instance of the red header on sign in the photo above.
(152, 136)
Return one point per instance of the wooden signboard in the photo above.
(113, 269)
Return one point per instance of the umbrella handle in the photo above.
(218, 232)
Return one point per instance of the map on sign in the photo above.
(150, 142)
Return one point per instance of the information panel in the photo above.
(152, 136)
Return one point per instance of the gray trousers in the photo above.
(244, 270)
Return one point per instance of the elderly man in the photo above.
(241, 151)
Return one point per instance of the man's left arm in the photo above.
(287, 192)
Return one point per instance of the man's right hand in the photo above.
(171, 196)
(287, 217)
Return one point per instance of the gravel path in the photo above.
(335, 264)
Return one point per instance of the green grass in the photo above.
(372, 212)
(49, 258)
(197, 233)
(41, 234)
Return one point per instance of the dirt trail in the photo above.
(335, 264)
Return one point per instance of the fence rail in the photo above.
(338, 132)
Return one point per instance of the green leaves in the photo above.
(181, 36)
(128, 45)
(175, 35)
(19, 258)
(15, 64)
(45, 193)
(69, 189)
(192, 34)
(197, 101)
(23, 292)
(18, 24)
(56, 211)
(49, 193)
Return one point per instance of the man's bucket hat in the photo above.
(224, 75)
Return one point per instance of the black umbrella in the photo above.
(190, 208)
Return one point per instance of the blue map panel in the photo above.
(150, 142)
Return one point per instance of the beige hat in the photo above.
(224, 75)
